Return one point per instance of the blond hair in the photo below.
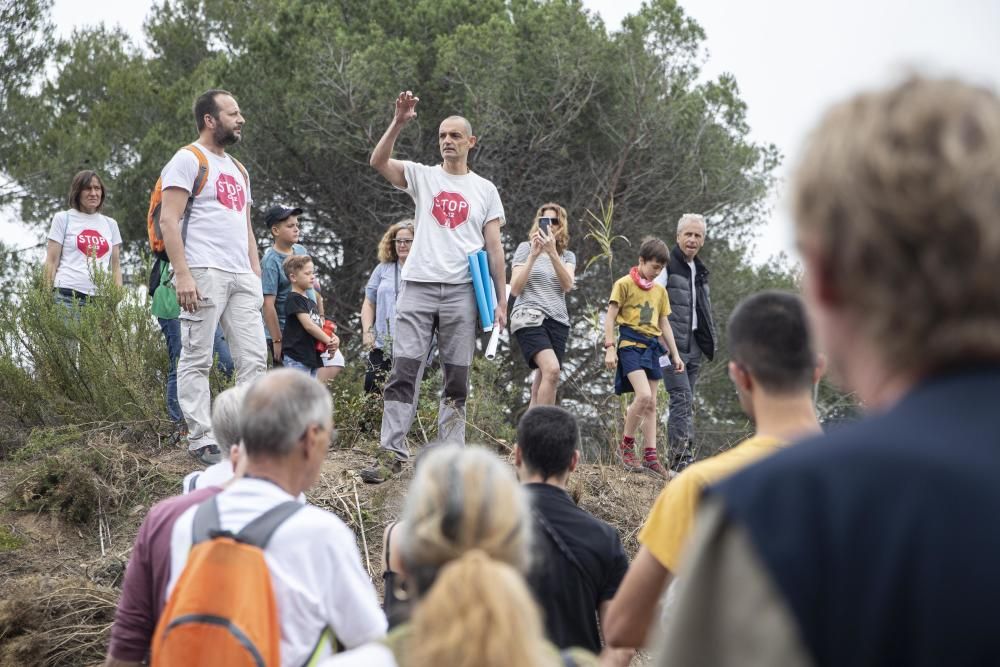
(295, 263)
(896, 196)
(387, 246)
(465, 541)
(562, 236)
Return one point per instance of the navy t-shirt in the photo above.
(298, 343)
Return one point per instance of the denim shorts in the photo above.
(288, 362)
(634, 358)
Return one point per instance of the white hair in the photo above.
(277, 410)
(690, 217)
(226, 411)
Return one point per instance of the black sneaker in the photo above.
(209, 454)
(381, 471)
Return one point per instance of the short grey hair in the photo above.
(226, 410)
(468, 125)
(690, 217)
(278, 408)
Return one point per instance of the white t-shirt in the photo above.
(694, 297)
(217, 229)
(85, 237)
(216, 474)
(451, 212)
(369, 655)
(315, 568)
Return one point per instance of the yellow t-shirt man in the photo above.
(639, 309)
(669, 524)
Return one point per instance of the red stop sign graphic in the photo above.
(92, 244)
(230, 192)
(450, 209)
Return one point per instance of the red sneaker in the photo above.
(628, 459)
(653, 467)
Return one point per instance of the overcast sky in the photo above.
(791, 58)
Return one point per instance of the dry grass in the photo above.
(55, 621)
(51, 615)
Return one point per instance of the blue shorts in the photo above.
(632, 358)
(288, 362)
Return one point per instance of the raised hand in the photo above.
(406, 105)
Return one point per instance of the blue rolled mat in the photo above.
(482, 301)
(484, 267)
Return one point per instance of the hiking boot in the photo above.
(679, 455)
(629, 462)
(209, 454)
(381, 471)
(653, 467)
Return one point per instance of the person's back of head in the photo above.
(769, 337)
(226, 411)
(278, 409)
(466, 532)
(547, 439)
(898, 221)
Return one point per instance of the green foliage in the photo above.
(563, 110)
(8, 540)
(103, 361)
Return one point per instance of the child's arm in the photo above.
(667, 338)
(314, 330)
(610, 351)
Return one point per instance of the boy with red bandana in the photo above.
(640, 308)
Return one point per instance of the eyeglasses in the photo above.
(403, 241)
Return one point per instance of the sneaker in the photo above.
(381, 471)
(653, 467)
(627, 455)
(209, 454)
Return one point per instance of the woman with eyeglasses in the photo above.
(378, 312)
(79, 237)
(542, 273)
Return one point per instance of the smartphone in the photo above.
(544, 224)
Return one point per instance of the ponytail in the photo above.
(478, 613)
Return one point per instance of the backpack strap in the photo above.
(193, 483)
(258, 532)
(388, 541)
(206, 521)
(560, 543)
(199, 184)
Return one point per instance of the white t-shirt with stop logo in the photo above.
(217, 229)
(86, 238)
(451, 212)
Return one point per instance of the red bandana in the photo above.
(639, 280)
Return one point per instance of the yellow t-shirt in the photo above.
(640, 309)
(669, 524)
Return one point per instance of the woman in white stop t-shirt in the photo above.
(79, 237)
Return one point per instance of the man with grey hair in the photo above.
(458, 213)
(686, 279)
(876, 544)
(324, 596)
(226, 412)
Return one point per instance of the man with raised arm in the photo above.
(457, 213)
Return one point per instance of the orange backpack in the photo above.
(156, 200)
(222, 610)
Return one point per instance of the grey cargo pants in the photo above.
(422, 309)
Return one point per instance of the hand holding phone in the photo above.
(544, 225)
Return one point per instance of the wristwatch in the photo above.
(607, 345)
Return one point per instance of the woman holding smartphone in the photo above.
(542, 274)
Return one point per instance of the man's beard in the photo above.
(225, 137)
